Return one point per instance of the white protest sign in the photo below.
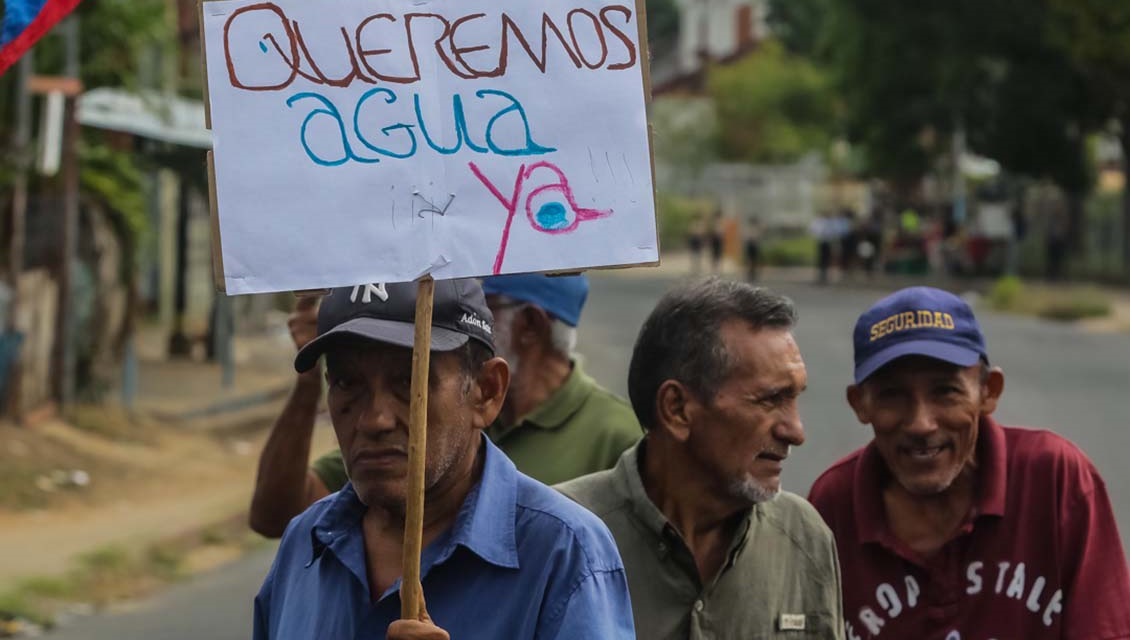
(379, 140)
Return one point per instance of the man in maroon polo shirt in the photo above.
(950, 526)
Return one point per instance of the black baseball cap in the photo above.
(385, 313)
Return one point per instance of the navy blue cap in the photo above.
(917, 321)
(561, 296)
(386, 312)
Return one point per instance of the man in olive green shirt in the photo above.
(713, 548)
(562, 424)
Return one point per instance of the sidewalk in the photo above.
(678, 264)
(191, 393)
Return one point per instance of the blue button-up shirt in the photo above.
(520, 561)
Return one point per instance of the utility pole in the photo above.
(20, 144)
(65, 346)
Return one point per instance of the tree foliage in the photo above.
(770, 107)
(1026, 79)
(116, 39)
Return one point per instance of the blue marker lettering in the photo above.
(532, 149)
(408, 128)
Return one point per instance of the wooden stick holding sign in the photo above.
(411, 592)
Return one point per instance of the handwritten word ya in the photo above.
(584, 36)
(552, 216)
(400, 138)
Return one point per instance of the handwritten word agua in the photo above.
(406, 144)
(383, 34)
(551, 208)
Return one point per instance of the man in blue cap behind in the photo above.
(949, 525)
(556, 424)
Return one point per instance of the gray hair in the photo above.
(680, 339)
(563, 337)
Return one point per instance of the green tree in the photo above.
(663, 24)
(1027, 79)
(770, 107)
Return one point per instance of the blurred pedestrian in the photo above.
(716, 240)
(847, 240)
(697, 232)
(751, 249)
(822, 230)
(948, 524)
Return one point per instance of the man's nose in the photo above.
(789, 429)
(379, 414)
(920, 421)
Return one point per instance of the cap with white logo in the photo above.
(385, 313)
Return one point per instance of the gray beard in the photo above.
(748, 489)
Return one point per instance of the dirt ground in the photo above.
(66, 491)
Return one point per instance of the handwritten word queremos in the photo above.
(590, 40)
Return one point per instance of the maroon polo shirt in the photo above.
(1039, 558)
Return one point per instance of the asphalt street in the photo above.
(1057, 377)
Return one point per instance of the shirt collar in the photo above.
(564, 402)
(627, 474)
(485, 524)
(871, 475)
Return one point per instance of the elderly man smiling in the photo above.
(949, 525)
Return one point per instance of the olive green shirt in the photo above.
(780, 580)
(579, 429)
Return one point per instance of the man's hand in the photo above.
(422, 629)
(303, 321)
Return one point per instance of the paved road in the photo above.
(1058, 377)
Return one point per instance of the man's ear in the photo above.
(532, 328)
(489, 390)
(992, 390)
(855, 395)
(676, 408)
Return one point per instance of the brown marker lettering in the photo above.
(632, 51)
(597, 30)
(363, 52)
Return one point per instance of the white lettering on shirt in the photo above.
(1002, 567)
(1053, 607)
(1017, 588)
(888, 600)
(1035, 592)
(974, 578)
(913, 591)
(1011, 583)
(871, 620)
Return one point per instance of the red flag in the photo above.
(25, 22)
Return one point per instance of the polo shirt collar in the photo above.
(564, 402)
(485, 524)
(871, 476)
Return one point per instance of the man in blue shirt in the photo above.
(504, 556)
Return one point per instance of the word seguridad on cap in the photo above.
(455, 139)
(904, 321)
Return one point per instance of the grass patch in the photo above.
(790, 251)
(103, 576)
(111, 422)
(1063, 303)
